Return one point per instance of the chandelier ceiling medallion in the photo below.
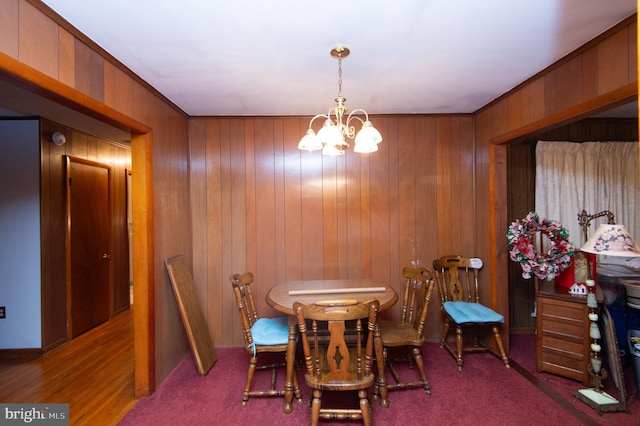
(331, 138)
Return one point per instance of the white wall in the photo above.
(20, 234)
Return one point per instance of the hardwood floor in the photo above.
(93, 374)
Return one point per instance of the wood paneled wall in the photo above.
(44, 53)
(261, 205)
(601, 74)
(53, 211)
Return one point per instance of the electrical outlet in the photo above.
(3, 312)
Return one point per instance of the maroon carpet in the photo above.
(485, 393)
(523, 351)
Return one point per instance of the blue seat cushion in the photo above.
(464, 312)
(270, 331)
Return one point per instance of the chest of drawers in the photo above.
(562, 341)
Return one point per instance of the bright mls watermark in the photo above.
(34, 414)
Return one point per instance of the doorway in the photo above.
(43, 100)
(88, 228)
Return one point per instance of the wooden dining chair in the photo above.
(461, 308)
(407, 334)
(337, 341)
(261, 335)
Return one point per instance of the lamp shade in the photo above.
(612, 240)
(310, 142)
(367, 139)
(333, 149)
(330, 134)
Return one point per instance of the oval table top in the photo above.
(282, 296)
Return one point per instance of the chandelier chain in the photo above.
(339, 75)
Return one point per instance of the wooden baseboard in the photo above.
(21, 353)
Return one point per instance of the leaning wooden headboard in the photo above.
(192, 317)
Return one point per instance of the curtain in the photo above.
(593, 176)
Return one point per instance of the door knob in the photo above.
(106, 256)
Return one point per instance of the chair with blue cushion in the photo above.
(461, 308)
(261, 335)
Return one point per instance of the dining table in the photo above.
(282, 297)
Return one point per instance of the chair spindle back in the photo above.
(457, 279)
(244, 299)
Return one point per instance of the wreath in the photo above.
(520, 239)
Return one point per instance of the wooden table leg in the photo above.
(291, 359)
(381, 382)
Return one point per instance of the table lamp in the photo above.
(608, 240)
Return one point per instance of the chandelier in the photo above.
(331, 138)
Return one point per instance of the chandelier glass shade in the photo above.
(339, 124)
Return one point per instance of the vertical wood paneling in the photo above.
(515, 114)
(406, 165)
(330, 181)
(613, 61)
(251, 193)
(210, 216)
(9, 19)
(570, 91)
(426, 206)
(551, 92)
(426, 202)
(365, 209)
(354, 216)
(312, 232)
(226, 194)
(279, 190)
(484, 160)
(198, 190)
(342, 186)
(396, 238)
(443, 195)
(521, 195)
(261, 190)
(121, 270)
(448, 178)
(119, 89)
(66, 57)
(632, 51)
(326, 217)
(52, 205)
(534, 101)
(82, 72)
(292, 200)
(460, 131)
(38, 40)
(380, 214)
(172, 221)
(589, 73)
(233, 203)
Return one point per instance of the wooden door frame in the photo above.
(142, 208)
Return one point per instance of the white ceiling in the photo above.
(255, 57)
